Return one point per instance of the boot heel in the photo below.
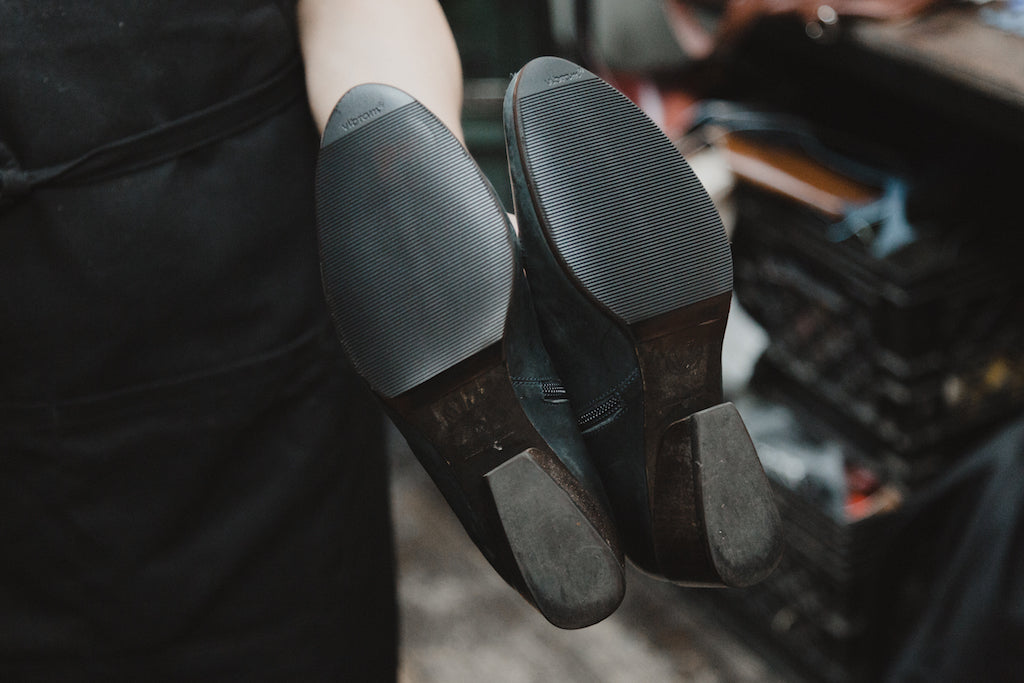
(571, 573)
(711, 493)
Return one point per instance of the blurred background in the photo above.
(866, 158)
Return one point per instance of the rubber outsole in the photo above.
(419, 271)
(622, 209)
(634, 232)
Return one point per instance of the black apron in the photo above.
(192, 485)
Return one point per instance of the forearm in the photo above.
(404, 43)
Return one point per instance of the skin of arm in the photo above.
(407, 44)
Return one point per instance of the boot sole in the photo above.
(637, 235)
(418, 270)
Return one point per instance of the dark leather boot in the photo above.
(631, 273)
(428, 298)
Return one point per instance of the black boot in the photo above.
(631, 273)
(430, 302)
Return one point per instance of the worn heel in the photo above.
(707, 472)
(563, 558)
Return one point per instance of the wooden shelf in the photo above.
(954, 45)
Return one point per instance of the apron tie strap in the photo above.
(161, 143)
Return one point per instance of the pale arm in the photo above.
(404, 43)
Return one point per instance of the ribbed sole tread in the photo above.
(621, 206)
(415, 252)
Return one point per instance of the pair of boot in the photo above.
(561, 386)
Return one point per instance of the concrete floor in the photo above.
(462, 623)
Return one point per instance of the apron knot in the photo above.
(15, 182)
